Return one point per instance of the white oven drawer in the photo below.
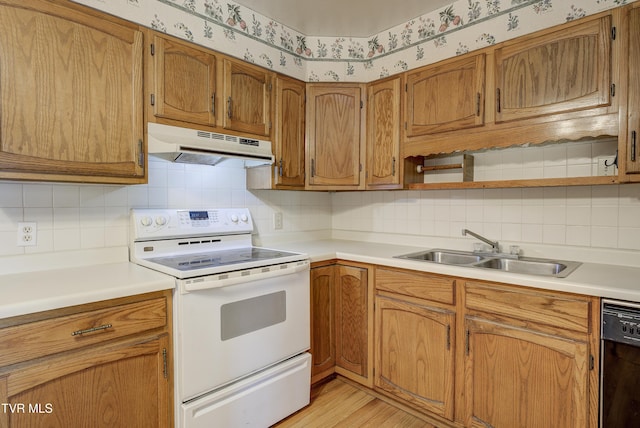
(250, 402)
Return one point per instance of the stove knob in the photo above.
(244, 218)
(146, 221)
(161, 221)
(234, 218)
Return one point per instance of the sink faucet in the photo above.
(494, 244)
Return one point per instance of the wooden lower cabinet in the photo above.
(113, 387)
(118, 382)
(415, 354)
(352, 322)
(415, 324)
(323, 345)
(341, 322)
(517, 377)
(531, 357)
(480, 354)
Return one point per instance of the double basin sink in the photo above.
(500, 262)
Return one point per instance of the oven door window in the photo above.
(621, 382)
(249, 315)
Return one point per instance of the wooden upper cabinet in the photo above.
(633, 146)
(289, 132)
(445, 97)
(184, 81)
(334, 121)
(557, 72)
(247, 98)
(71, 94)
(383, 133)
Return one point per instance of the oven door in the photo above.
(226, 333)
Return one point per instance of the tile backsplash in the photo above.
(583, 216)
(78, 216)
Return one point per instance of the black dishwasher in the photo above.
(620, 374)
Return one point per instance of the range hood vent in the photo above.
(185, 145)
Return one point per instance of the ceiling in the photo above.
(346, 18)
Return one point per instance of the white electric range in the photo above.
(241, 316)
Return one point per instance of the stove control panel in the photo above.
(170, 223)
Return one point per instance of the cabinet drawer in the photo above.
(416, 284)
(37, 339)
(566, 311)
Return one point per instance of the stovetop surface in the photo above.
(218, 258)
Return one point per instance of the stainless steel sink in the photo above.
(446, 257)
(530, 266)
(502, 262)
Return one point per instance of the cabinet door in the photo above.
(333, 132)
(446, 97)
(289, 132)
(125, 386)
(415, 355)
(70, 95)
(352, 331)
(562, 71)
(185, 82)
(519, 378)
(247, 98)
(323, 351)
(633, 156)
(383, 132)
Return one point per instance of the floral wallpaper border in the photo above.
(461, 27)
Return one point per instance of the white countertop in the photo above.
(30, 292)
(602, 280)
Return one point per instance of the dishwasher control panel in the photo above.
(621, 322)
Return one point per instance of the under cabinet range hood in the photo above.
(184, 145)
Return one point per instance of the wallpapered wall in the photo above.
(461, 27)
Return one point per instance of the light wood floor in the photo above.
(339, 404)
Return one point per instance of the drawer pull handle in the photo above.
(91, 330)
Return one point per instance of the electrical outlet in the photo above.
(606, 165)
(27, 234)
(277, 221)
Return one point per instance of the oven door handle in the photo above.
(243, 277)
